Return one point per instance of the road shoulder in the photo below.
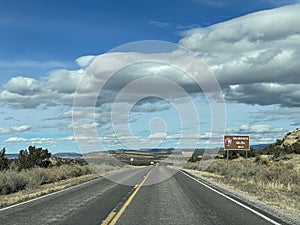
(248, 200)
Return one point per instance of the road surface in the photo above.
(178, 200)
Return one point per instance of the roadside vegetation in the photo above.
(35, 172)
(12, 181)
(35, 167)
(273, 174)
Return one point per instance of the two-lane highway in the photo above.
(84, 204)
(178, 200)
(182, 200)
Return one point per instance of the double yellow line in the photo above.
(113, 217)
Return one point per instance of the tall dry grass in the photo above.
(274, 182)
(17, 186)
(12, 181)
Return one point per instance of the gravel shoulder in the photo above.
(250, 200)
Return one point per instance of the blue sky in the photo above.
(46, 47)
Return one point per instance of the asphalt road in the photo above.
(177, 200)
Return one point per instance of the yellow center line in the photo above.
(113, 217)
(109, 218)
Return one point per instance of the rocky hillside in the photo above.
(291, 138)
(290, 144)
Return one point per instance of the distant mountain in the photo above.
(12, 156)
(158, 150)
(69, 155)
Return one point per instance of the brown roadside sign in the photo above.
(236, 142)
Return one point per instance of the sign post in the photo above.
(247, 165)
(241, 142)
(227, 163)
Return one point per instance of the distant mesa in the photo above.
(67, 155)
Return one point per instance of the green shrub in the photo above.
(4, 163)
(33, 157)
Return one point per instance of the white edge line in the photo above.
(233, 200)
(47, 195)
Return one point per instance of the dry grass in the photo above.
(27, 194)
(12, 181)
(273, 182)
(20, 186)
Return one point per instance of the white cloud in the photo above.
(152, 75)
(158, 135)
(147, 107)
(245, 33)
(63, 116)
(69, 138)
(32, 64)
(254, 51)
(255, 58)
(264, 93)
(279, 114)
(158, 24)
(57, 88)
(213, 3)
(15, 140)
(280, 3)
(259, 133)
(165, 71)
(85, 61)
(39, 140)
(63, 81)
(255, 128)
(22, 86)
(251, 51)
(15, 129)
